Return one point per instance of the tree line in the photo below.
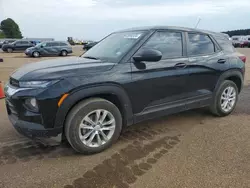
(238, 32)
(10, 29)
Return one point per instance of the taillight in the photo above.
(243, 58)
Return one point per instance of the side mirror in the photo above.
(149, 55)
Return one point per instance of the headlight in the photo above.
(31, 104)
(36, 84)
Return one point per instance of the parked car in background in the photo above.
(240, 41)
(19, 45)
(2, 42)
(49, 49)
(248, 40)
(145, 73)
(89, 45)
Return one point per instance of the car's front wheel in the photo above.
(225, 99)
(36, 54)
(93, 125)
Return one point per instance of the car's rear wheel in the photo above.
(64, 53)
(93, 125)
(9, 50)
(36, 54)
(225, 99)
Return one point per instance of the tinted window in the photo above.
(18, 42)
(224, 43)
(50, 44)
(63, 44)
(200, 44)
(56, 44)
(24, 42)
(168, 43)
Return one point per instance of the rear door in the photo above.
(206, 63)
(163, 83)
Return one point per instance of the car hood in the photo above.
(31, 48)
(61, 67)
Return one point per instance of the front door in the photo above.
(49, 49)
(161, 84)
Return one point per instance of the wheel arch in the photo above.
(234, 75)
(112, 92)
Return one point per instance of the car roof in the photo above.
(170, 28)
(55, 41)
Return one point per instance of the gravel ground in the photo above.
(190, 149)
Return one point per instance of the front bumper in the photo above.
(28, 53)
(36, 125)
(36, 131)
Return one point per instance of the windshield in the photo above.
(40, 44)
(115, 46)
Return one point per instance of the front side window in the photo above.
(167, 42)
(25, 42)
(200, 44)
(115, 46)
(49, 44)
(18, 43)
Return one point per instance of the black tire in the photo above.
(9, 50)
(215, 107)
(64, 53)
(36, 54)
(75, 117)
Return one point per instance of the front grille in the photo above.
(14, 82)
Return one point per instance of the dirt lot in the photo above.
(191, 149)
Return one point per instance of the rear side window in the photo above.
(200, 44)
(63, 44)
(168, 43)
(224, 43)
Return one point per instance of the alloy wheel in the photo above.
(97, 128)
(228, 98)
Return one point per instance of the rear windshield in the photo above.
(225, 43)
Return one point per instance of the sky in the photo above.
(94, 19)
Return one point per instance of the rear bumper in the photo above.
(36, 131)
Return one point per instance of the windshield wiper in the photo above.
(90, 57)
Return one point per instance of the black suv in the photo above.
(129, 76)
(19, 45)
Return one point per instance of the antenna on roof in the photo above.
(198, 22)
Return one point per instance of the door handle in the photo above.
(221, 61)
(180, 65)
